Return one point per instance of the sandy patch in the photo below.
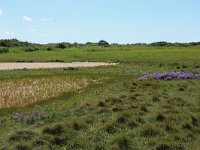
(12, 66)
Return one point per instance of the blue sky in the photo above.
(119, 21)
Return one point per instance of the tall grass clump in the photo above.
(22, 92)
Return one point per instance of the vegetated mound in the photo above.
(170, 76)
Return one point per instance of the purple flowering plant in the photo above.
(170, 76)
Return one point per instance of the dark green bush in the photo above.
(31, 49)
(3, 50)
(103, 43)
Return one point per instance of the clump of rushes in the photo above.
(140, 120)
(122, 119)
(76, 125)
(101, 104)
(39, 142)
(150, 131)
(116, 109)
(195, 122)
(59, 140)
(187, 126)
(169, 128)
(113, 100)
(169, 147)
(163, 147)
(22, 147)
(110, 128)
(155, 99)
(56, 130)
(181, 89)
(132, 124)
(160, 117)
(144, 108)
(21, 136)
(123, 143)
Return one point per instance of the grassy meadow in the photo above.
(102, 108)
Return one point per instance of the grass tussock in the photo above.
(150, 131)
(55, 130)
(21, 136)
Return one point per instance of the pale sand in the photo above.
(12, 66)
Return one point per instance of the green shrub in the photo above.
(31, 49)
(103, 43)
(3, 50)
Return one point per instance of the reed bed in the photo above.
(22, 92)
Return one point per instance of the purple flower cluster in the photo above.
(22, 116)
(171, 75)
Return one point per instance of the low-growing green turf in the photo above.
(134, 54)
(117, 112)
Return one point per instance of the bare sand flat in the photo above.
(12, 66)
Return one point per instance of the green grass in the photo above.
(120, 112)
(125, 54)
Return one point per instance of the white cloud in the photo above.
(46, 19)
(1, 12)
(9, 33)
(33, 30)
(26, 18)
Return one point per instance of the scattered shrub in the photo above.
(31, 49)
(3, 50)
(49, 48)
(61, 45)
(103, 43)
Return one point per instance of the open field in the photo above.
(101, 108)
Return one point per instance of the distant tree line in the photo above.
(29, 47)
(15, 43)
